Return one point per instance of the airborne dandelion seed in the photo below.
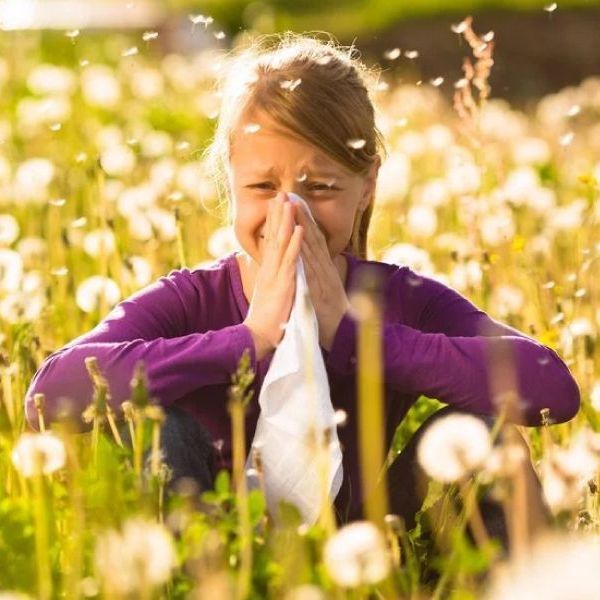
(392, 54)
(411, 54)
(356, 144)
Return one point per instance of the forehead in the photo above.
(271, 150)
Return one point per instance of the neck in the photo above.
(249, 268)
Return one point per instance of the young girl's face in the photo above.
(267, 161)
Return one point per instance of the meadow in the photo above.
(103, 189)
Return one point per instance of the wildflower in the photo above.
(20, 307)
(117, 160)
(595, 396)
(222, 241)
(45, 447)
(558, 566)
(100, 86)
(409, 255)
(421, 221)
(138, 557)
(9, 229)
(32, 178)
(95, 290)
(51, 79)
(453, 446)
(11, 270)
(357, 554)
(99, 242)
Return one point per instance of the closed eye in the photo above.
(317, 187)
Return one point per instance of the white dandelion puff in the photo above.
(557, 566)
(357, 554)
(11, 270)
(9, 229)
(453, 446)
(92, 291)
(141, 554)
(222, 241)
(19, 307)
(118, 160)
(38, 452)
(99, 242)
(421, 220)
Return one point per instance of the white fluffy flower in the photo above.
(531, 150)
(93, 290)
(222, 241)
(118, 160)
(465, 275)
(558, 566)
(453, 446)
(595, 396)
(409, 255)
(11, 270)
(497, 227)
(100, 87)
(140, 556)
(507, 299)
(463, 177)
(99, 242)
(43, 451)
(357, 554)
(393, 178)
(32, 178)
(421, 220)
(51, 79)
(20, 307)
(9, 229)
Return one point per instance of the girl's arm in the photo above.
(442, 346)
(152, 325)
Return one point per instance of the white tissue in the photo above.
(293, 399)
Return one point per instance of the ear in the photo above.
(368, 194)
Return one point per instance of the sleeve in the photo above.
(446, 348)
(153, 326)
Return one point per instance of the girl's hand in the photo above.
(324, 283)
(275, 284)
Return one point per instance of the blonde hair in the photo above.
(329, 106)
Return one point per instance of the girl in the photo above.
(298, 118)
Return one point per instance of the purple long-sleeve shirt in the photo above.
(188, 329)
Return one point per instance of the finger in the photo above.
(288, 263)
(286, 228)
(275, 210)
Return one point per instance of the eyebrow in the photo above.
(318, 172)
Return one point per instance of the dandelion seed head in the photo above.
(9, 229)
(141, 553)
(36, 452)
(96, 290)
(453, 446)
(356, 555)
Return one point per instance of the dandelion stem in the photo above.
(41, 533)
(370, 400)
